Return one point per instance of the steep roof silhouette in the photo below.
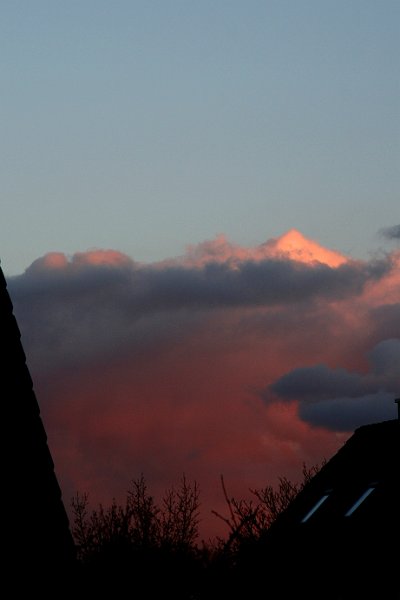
(369, 460)
(36, 534)
(339, 537)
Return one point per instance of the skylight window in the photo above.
(361, 499)
(315, 507)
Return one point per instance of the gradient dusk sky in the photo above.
(200, 228)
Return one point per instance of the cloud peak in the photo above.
(296, 246)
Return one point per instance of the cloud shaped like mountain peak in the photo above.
(296, 246)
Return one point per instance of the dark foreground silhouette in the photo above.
(154, 550)
(36, 540)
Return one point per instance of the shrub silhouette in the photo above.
(157, 546)
(249, 519)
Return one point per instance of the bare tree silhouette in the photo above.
(249, 519)
(158, 546)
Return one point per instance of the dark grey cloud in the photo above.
(346, 413)
(391, 233)
(318, 383)
(339, 399)
(385, 321)
(71, 311)
(250, 283)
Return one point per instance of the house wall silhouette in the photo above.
(36, 534)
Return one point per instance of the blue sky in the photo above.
(147, 126)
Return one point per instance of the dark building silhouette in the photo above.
(339, 538)
(36, 538)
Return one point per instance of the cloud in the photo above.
(339, 399)
(292, 245)
(156, 368)
(385, 320)
(99, 301)
(318, 383)
(391, 233)
(346, 413)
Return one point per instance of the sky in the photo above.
(147, 126)
(200, 230)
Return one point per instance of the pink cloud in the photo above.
(292, 245)
(111, 258)
(48, 262)
(161, 368)
(58, 261)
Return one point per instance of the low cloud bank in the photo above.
(157, 368)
